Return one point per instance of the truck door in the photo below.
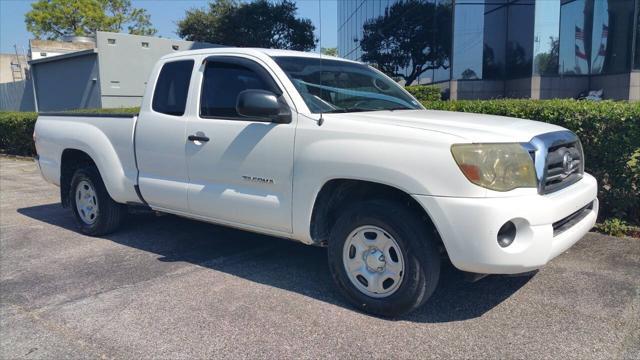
(160, 138)
(240, 169)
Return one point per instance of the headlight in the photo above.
(499, 167)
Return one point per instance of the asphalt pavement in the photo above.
(167, 287)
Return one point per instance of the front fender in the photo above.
(413, 161)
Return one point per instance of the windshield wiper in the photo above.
(347, 110)
(399, 108)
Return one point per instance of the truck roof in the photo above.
(253, 51)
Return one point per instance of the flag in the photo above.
(602, 51)
(605, 31)
(579, 33)
(580, 54)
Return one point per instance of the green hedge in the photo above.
(16, 129)
(609, 132)
(425, 92)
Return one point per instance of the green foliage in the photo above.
(329, 51)
(614, 227)
(260, 23)
(609, 132)
(424, 92)
(54, 19)
(411, 38)
(16, 129)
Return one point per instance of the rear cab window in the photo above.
(172, 88)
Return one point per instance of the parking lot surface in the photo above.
(167, 287)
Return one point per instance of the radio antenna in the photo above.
(321, 119)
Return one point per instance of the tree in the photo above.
(257, 24)
(54, 19)
(329, 51)
(412, 37)
(546, 63)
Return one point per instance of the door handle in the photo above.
(197, 138)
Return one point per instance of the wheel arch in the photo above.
(70, 161)
(337, 193)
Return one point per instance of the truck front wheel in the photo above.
(94, 210)
(382, 258)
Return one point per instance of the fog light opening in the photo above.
(506, 234)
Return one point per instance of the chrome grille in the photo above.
(563, 166)
(558, 159)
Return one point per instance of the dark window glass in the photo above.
(341, 86)
(495, 37)
(444, 20)
(637, 54)
(222, 83)
(519, 52)
(575, 25)
(611, 36)
(546, 37)
(172, 87)
(467, 44)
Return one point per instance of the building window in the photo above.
(172, 87)
(595, 36)
(574, 43)
(111, 41)
(145, 45)
(611, 36)
(637, 54)
(495, 38)
(546, 38)
(43, 54)
(468, 41)
(519, 50)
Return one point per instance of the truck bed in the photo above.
(106, 138)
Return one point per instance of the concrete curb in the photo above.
(17, 157)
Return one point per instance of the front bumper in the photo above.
(469, 227)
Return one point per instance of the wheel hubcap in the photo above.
(86, 202)
(373, 261)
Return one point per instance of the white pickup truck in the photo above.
(333, 153)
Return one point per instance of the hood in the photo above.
(471, 127)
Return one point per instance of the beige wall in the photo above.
(6, 75)
(39, 49)
(616, 87)
(634, 86)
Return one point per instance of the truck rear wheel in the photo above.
(382, 258)
(94, 210)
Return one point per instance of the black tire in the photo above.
(422, 261)
(109, 215)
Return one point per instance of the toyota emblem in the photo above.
(567, 163)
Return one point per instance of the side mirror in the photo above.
(263, 104)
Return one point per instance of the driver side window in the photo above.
(224, 80)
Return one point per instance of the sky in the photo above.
(164, 15)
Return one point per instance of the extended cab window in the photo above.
(172, 87)
(224, 79)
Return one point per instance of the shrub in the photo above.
(614, 227)
(425, 92)
(609, 132)
(16, 130)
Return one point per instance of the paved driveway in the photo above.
(166, 287)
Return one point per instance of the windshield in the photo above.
(341, 86)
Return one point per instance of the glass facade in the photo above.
(430, 41)
(636, 60)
